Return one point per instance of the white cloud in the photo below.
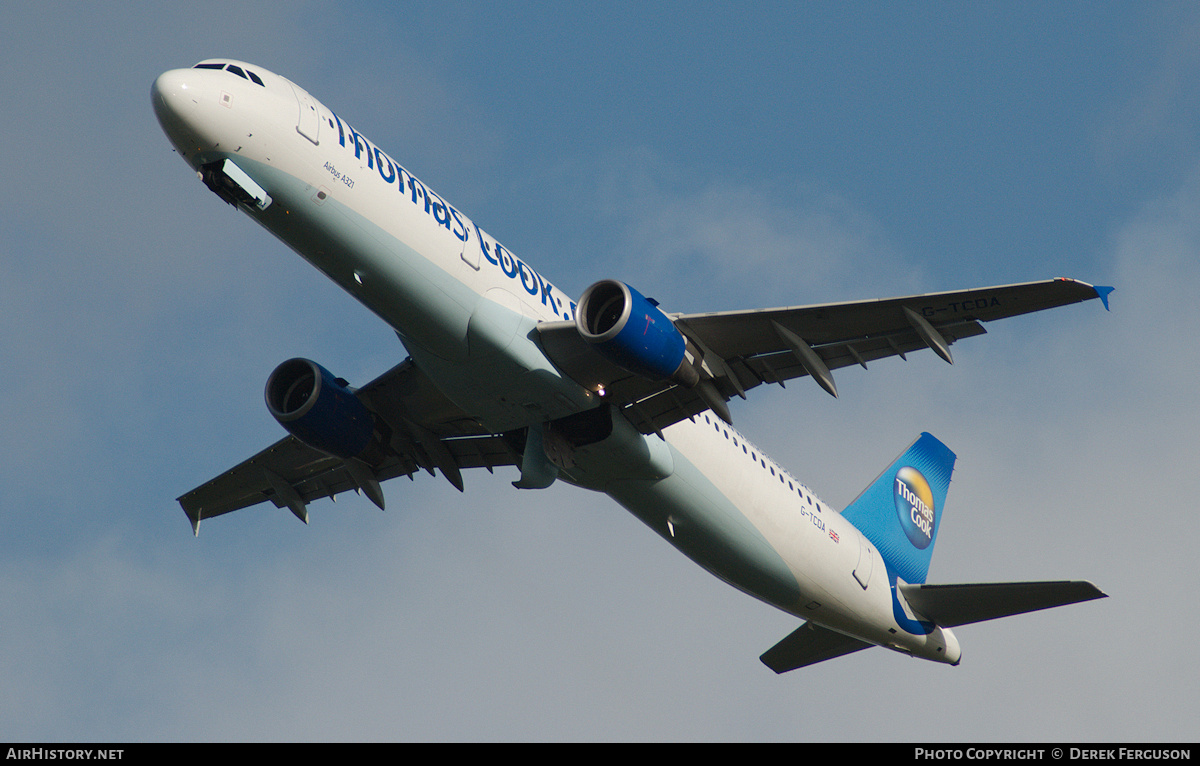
(715, 242)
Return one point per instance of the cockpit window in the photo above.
(243, 73)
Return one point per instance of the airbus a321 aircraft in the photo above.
(609, 393)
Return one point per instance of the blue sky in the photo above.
(716, 156)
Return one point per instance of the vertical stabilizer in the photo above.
(900, 511)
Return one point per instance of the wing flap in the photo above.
(808, 645)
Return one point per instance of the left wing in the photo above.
(426, 432)
(741, 349)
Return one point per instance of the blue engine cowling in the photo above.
(319, 409)
(632, 332)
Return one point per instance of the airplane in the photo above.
(609, 393)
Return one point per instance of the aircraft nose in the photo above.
(176, 96)
(171, 99)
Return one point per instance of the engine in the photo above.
(633, 333)
(319, 409)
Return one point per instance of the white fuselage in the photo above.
(465, 308)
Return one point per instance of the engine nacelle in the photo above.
(633, 333)
(319, 409)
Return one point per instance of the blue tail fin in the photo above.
(902, 509)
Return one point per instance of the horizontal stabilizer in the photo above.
(808, 645)
(953, 605)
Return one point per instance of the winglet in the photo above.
(1102, 293)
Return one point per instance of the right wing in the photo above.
(427, 432)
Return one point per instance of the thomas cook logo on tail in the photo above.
(914, 505)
